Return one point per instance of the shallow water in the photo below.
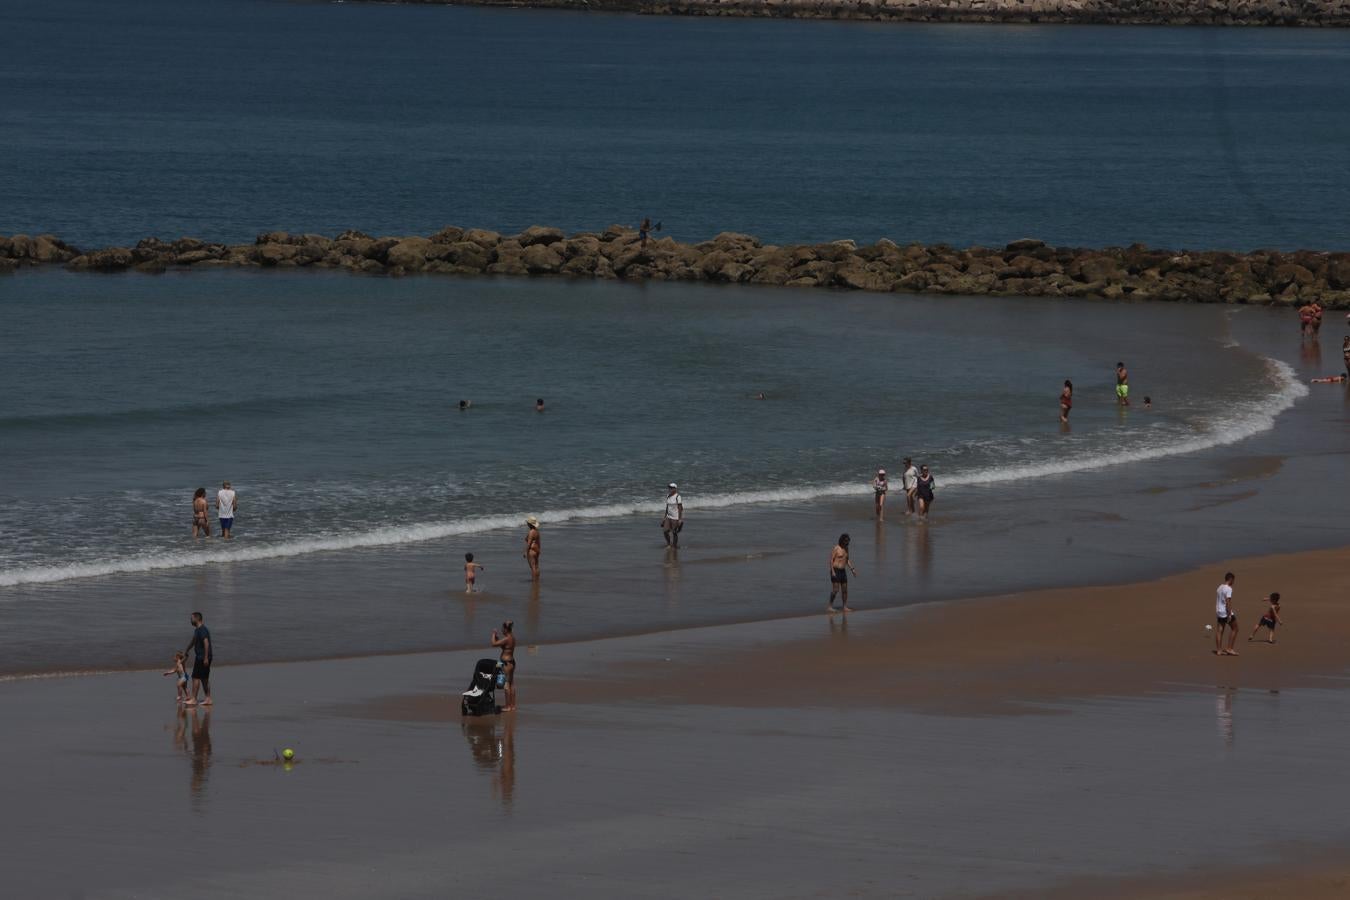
(362, 486)
(224, 118)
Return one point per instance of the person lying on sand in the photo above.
(1329, 379)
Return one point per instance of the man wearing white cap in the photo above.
(673, 520)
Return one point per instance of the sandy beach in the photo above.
(1060, 740)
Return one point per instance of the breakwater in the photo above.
(1021, 268)
(1288, 13)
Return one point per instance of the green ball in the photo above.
(288, 754)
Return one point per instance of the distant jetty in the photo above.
(1286, 13)
(1027, 267)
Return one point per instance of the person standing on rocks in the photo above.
(1122, 385)
(644, 231)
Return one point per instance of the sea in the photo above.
(331, 401)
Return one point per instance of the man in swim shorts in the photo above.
(840, 566)
(1122, 385)
(226, 502)
(203, 653)
(673, 520)
(1226, 613)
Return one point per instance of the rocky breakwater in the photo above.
(1022, 268)
(1313, 13)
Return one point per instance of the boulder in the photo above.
(409, 254)
(450, 234)
(273, 254)
(538, 234)
(109, 259)
(1023, 245)
(541, 259)
(1096, 268)
(864, 277)
(733, 273)
(508, 265)
(1338, 273)
(50, 249)
(352, 234)
(1291, 273)
(467, 254)
(581, 264)
(7, 265)
(482, 237)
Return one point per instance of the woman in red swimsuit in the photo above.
(1065, 401)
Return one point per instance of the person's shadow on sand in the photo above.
(492, 741)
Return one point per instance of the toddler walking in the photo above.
(180, 669)
(470, 572)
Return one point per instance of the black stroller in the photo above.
(480, 699)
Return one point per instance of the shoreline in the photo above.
(1025, 267)
(1254, 13)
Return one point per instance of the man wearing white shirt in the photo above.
(226, 502)
(1226, 613)
(911, 484)
(673, 520)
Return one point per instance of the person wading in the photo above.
(840, 566)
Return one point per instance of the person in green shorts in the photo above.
(1122, 384)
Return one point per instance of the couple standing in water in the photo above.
(226, 503)
(1122, 394)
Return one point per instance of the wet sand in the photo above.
(808, 757)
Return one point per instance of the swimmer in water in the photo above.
(1122, 385)
(539, 405)
(1065, 401)
(464, 404)
(1330, 379)
(1148, 403)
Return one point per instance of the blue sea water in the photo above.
(225, 118)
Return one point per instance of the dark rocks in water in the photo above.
(1025, 267)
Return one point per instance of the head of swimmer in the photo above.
(843, 540)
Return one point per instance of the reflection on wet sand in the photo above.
(196, 722)
(671, 576)
(492, 741)
(919, 552)
(1223, 712)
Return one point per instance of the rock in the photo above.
(482, 237)
(914, 281)
(353, 235)
(1023, 245)
(1291, 273)
(1338, 273)
(192, 256)
(273, 254)
(467, 254)
(49, 249)
(614, 232)
(581, 264)
(109, 259)
(450, 234)
(7, 265)
(409, 254)
(1096, 268)
(863, 278)
(538, 234)
(733, 273)
(770, 275)
(836, 252)
(509, 265)
(541, 259)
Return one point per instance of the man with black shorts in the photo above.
(840, 566)
(201, 663)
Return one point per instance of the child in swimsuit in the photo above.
(470, 572)
(180, 670)
(1270, 619)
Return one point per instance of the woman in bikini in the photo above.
(507, 642)
(1065, 401)
(201, 522)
